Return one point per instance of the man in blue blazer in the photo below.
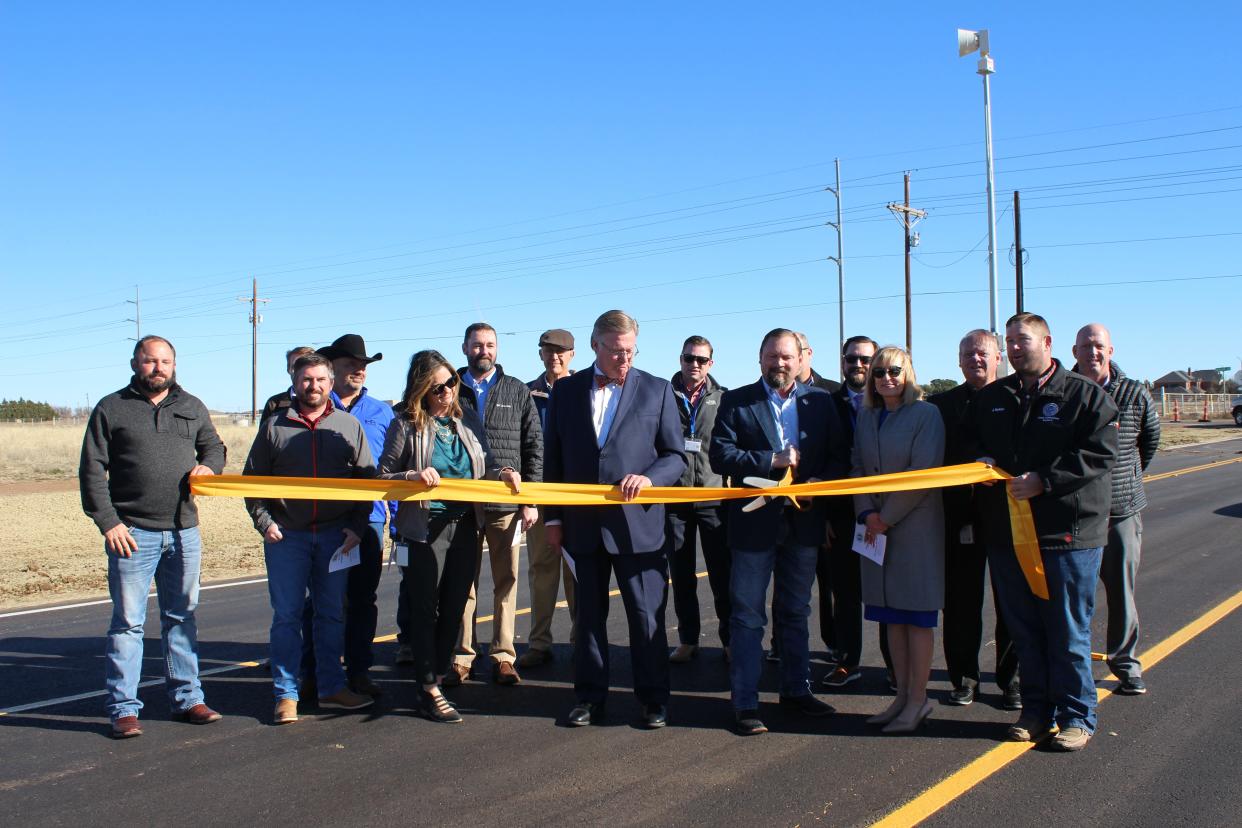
(619, 426)
(762, 430)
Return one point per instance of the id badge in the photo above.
(967, 535)
(402, 554)
(693, 446)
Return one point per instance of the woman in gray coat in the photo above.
(898, 432)
(434, 437)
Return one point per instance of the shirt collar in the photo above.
(775, 396)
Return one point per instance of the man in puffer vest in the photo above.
(1138, 437)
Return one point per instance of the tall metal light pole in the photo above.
(969, 41)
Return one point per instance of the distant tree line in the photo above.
(27, 410)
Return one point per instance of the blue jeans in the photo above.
(1053, 637)
(361, 616)
(794, 567)
(298, 562)
(171, 558)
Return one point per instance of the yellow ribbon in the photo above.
(1026, 542)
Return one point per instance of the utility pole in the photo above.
(839, 259)
(137, 320)
(255, 319)
(907, 217)
(1017, 243)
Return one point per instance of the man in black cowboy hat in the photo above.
(349, 393)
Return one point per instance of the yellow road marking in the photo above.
(944, 792)
(1165, 475)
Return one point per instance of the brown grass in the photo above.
(50, 550)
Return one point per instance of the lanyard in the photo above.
(693, 411)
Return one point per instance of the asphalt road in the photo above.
(1170, 757)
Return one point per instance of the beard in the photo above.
(153, 384)
(777, 378)
(856, 380)
(481, 365)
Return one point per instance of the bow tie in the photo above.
(602, 381)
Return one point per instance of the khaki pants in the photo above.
(503, 536)
(544, 572)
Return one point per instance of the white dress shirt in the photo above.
(604, 403)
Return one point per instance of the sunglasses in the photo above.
(439, 387)
(857, 359)
(697, 360)
(894, 371)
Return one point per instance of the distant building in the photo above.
(1206, 381)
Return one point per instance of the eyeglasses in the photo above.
(856, 359)
(439, 387)
(893, 371)
(623, 354)
(697, 360)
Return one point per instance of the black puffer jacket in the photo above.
(1067, 433)
(698, 469)
(1138, 438)
(512, 425)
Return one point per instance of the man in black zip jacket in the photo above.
(1138, 438)
(698, 400)
(514, 433)
(1056, 433)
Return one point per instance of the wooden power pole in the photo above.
(1017, 243)
(255, 319)
(907, 216)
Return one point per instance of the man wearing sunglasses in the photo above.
(698, 399)
(846, 580)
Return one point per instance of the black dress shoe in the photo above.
(748, 723)
(655, 716)
(585, 713)
(1011, 698)
(807, 705)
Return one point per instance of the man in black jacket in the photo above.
(698, 400)
(1056, 433)
(843, 561)
(516, 439)
(965, 560)
(142, 445)
(1138, 436)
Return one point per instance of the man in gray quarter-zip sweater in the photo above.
(142, 445)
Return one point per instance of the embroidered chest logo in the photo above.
(1048, 414)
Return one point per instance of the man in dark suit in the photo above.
(965, 560)
(763, 430)
(615, 425)
(846, 578)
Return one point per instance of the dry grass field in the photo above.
(50, 550)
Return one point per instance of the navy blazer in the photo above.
(645, 438)
(743, 442)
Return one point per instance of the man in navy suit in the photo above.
(619, 426)
(763, 430)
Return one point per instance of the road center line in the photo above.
(960, 782)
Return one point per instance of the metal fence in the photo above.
(1190, 406)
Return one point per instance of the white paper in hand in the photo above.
(344, 560)
(873, 551)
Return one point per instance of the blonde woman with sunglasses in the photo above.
(898, 432)
(434, 437)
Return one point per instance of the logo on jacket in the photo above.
(1048, 413)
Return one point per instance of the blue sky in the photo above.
(399, 171)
